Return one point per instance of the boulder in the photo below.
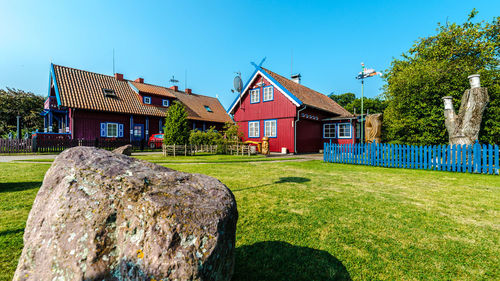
(125, 150)
(104, 216)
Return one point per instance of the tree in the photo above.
(232, 131)
(25, 104)
(176, 130)
(343, 99)
(438, 66)
(353, 104)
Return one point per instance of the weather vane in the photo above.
(365, 73)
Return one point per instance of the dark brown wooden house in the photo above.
(87, 105)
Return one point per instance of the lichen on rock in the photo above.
(105, 216)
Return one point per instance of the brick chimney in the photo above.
(119, 76)
(175, 88)
(139, 80)
(188, 91)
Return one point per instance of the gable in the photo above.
(259, 74)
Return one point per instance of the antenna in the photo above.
(173, 80)
(113, 61)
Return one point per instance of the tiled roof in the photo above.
(195, 106)
(309, 96)
(84, 90)
(152, 89)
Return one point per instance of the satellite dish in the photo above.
(238, 84)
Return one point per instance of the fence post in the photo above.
(497, 155)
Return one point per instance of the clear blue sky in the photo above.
(213, 39)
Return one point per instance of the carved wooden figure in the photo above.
(464, 127)
(373, 128)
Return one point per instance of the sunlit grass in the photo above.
(319, 221)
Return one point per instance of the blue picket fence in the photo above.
(474, 158)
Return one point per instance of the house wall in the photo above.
(280, 108)
(310, 130)
(86, 124)
(338, 140)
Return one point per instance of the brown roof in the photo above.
(84, 90)
(195, 106)
(152, 89)
(309, 96)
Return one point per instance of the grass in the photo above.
(199, 158)
(322, 221)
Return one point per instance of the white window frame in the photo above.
(330, 135)
(165, 103)
(339, 130)
(271, 133)
(255, 95)
(254, 129)
(268, 93)
(147, 100)
(108, 130)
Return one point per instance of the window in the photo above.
(270, 128)
(255, 96)
(345, 130)
(329, 131)
(208, 108)
(268, 94)
(358, 130)
(147, 100)
(253, 129)
(112, 130)
(165, 103)
(109, 93)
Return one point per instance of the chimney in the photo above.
(296, 78)
(175, 88)
(139, 80)
(188, 91)
(119, 76)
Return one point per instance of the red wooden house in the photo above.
(87, 105)
(294, 117)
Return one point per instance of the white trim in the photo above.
(270, 81)
(334, 130)
(107, 130)
(350, 130)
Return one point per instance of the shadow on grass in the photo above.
(11, 231)
(277, 260)
(18, 186)
(281, 180)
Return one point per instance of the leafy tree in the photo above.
(353, 104)
(343, 99)
(438, 66)
(232, 131)
(25, 104)
(176, 130)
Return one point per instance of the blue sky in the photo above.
(210, 40)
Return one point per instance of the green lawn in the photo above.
(199, 158)
(322, 221)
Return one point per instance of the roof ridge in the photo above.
(298, 84)
(67, 67)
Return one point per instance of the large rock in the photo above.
(104, 216)
(125, 150)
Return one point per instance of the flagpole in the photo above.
(362, 110)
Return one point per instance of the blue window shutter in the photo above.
(103, 130)
(120, 130)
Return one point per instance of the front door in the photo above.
(138, 132)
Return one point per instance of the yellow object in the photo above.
(265, 145)
(258, 143)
